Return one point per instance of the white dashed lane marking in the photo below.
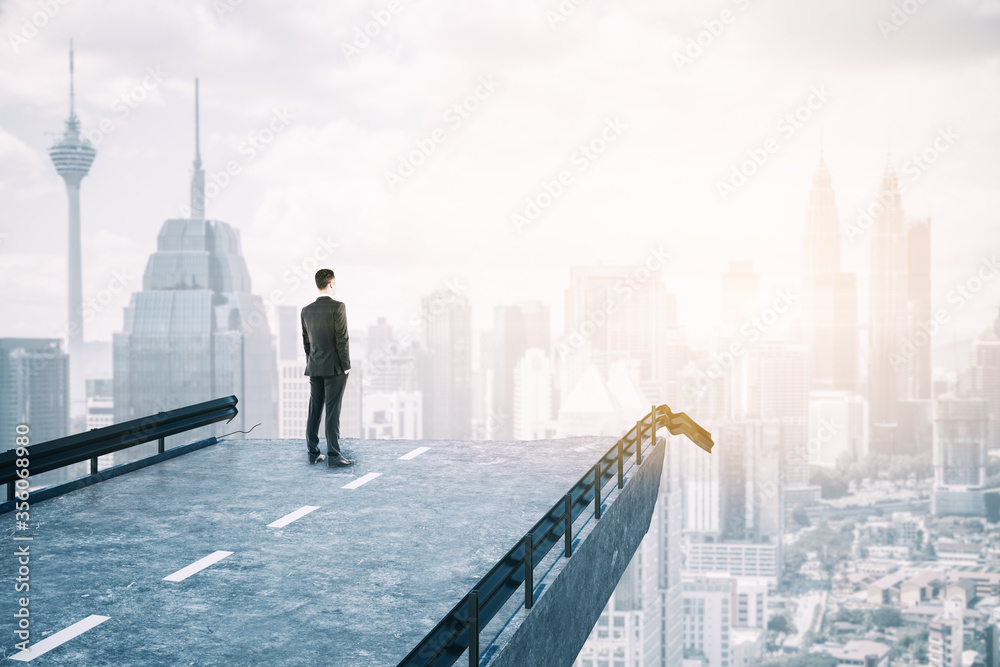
(59, 638)
(288, 518)
(414, 454)
(361, 480)
(197, 566)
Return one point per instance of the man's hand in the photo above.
(347, 371)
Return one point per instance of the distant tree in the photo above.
(780, 623)
(802, 660)
(909, 643)
(833, 547)
(993, 465)
(832, 483)
(887, 617)
(794, 560)
(845, 615)
(974, 525)
(800, 516)
(900, 467)
(941, 529)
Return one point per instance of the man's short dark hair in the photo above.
(323, 278)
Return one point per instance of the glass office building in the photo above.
(196, 332)
(34, 389)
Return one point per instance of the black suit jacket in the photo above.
(324, 336)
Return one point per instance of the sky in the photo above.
(351, 144)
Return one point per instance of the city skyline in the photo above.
(621, 337)
(656, 182)
(545, 219)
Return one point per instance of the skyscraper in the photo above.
(289, 334)
(617, 313)
(72, 157)
(772, 381)
(733, 481)
(708, 616)
(982, 377)
(829, 296)
(918, 261)
(34, 389)
(960, 426)
(198, 173)
(34, 392)
(515, 329)
(742, 499)
(392, 360)
(446, 373)
(703, 491)
(822, 238)
(196, 331)
(740, 297)
(889, 292)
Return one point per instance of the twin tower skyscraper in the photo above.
(899, 373)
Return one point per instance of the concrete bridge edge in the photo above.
(555, 629)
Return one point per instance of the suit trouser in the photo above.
(325, 393)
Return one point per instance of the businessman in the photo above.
(328, 361)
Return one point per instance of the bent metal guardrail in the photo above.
(458, 631)
(61, 452)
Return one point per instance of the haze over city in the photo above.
(557, 82)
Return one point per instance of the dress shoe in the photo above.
(339, 462)
(319, 458)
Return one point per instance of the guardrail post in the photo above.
(621, 463)
(93, 466)
(568, 523)
(597, 490)
(473, 629)
(638, 436)
(652, 428)
(159, 446)
(638, 451)
(529, 571)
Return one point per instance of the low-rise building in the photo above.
(963, 589)
(877, 567)
(961, 552)
(862, 652)
(885, 590)
(740, 559)
(922, 587)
